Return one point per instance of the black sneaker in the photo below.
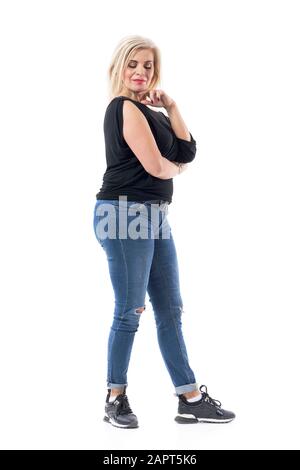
(118, 412)
(205, 410)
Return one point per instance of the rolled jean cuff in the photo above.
(112, 385)
(186, 388)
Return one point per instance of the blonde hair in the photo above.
(124, 51)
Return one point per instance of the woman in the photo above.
(145, 150)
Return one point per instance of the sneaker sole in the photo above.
(117, 425)
(186, 419)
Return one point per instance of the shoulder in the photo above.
(126, 109)
(132, 106)
(132, 109)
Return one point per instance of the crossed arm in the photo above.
(140, 139)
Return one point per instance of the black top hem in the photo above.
(131, 197)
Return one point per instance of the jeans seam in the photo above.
(122, 314)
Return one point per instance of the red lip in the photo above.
(142, 81)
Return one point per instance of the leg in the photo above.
(164, 293)
(129, 262)
(129, 267)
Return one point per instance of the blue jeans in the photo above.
(145, 261)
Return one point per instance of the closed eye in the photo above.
(147, 66)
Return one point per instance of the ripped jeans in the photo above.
(141, 261)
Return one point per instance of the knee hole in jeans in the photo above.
(140, 309)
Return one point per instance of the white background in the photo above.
(233, 69)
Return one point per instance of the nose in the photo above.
(140, 71)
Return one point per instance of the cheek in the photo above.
(127, 74)
(150, 76)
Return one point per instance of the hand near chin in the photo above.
(158, 99)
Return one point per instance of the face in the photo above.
(139, 72)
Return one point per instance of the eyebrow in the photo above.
(133, 60)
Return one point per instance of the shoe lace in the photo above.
(123, 407)
(208, 398)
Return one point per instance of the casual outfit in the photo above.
(125, 175)
(141, 256)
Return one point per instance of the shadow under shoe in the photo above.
(118, 412)
(207, 410)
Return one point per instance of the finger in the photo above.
(147, 99)
(153, 95)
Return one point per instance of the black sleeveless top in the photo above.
(125, 175)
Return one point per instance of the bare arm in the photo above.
(138, 135)
(178, 125)
(171, 169)
(187, 147)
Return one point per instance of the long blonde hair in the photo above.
(124, 51)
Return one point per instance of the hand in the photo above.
(158, 99)
(183, 167)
